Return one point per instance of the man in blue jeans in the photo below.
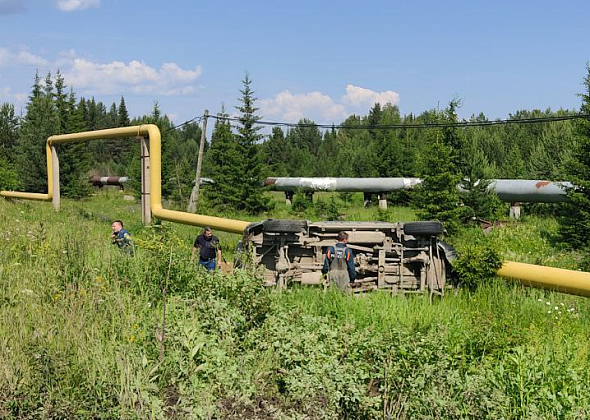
(339, 264)
(209, 250)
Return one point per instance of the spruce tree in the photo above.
(276, 154)
(252, 197)
(8, 139)
(39, 123)
(75, 159)
(438, 197)
(221, 161)
(575, 218)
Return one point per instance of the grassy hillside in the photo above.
(82, 334)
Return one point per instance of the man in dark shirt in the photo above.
(339, 264)
(121, 238)
(209, 250)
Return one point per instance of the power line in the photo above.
(197, 119)
(537, 120)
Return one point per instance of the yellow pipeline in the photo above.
(567, 281)
(152, 131)
(558, 279)
(37, 196)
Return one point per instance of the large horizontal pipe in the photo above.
(99, 181)
(342, 184)
(510, 190)
(530, 191)
(557, 279)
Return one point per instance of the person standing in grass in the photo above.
(122, 238)
(209, 249)
(339, 264)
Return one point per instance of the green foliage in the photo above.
(476, 264)
(437, 196)
(80, 328)
(250, 190)
(575, 219)
(327, 210)
(301, 202)
(222, 164)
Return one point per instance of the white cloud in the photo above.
(321, 107)
(6, 95)
(359, 97)
(294, 107)
(22, 57)
(135, 77)
(71, 5)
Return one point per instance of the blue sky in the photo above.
(317, 59)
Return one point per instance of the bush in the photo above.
(476, 264)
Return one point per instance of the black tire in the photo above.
(423, 228)
(284, 226)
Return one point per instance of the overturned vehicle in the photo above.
(397, 257)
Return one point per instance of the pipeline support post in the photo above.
(383, 201)
(56, 199)
(289, 197)
(146, 211)
(515, 210)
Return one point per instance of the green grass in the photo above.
(79, 328)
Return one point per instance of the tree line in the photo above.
(238, 157)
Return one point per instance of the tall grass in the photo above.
(82, 332)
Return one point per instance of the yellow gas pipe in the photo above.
(558, 279)
(153, 133)
(561, 280)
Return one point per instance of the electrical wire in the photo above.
(462, 124)
(196, 119)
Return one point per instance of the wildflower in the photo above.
(548, 303)
(557, 307)
(548, 312)
(539, 300)
(135, 326)
(562, 304)
(132, 339)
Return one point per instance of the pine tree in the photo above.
(123, 114)
(438, 197)
(8, 139)
(252, 192)
(39, 123)
(221, 161)
(75, 159)
(276, 152)
(8, 128)
(575, 218)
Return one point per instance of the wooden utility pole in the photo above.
(195, 193)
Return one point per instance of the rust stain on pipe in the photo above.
(542, 184)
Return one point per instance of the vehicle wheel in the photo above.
(423, 228)
(284, 226)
